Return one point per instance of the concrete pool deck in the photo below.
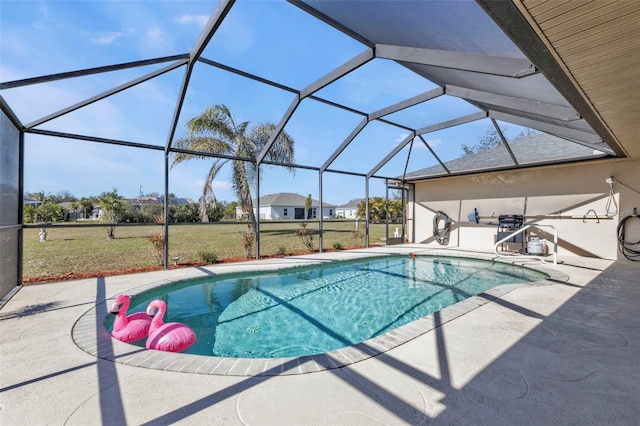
(567, 352)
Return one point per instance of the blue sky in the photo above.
(271, 39)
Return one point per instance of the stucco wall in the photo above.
(546, 196)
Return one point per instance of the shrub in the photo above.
(305, 235)
(358, 235)
(157, 240)
(337, 246)
(281, 250)
(208, 257)
(49, 212)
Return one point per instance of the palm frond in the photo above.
(282, 150)
(241, 129)
(215, 121)
(199, 144)
(215, 131)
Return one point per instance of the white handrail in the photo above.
(521, 230)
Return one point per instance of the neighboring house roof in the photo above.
(536, 148)
(287, 199)
(177, 200)
(30, 201)
(353, 204)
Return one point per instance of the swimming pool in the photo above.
(313, 310)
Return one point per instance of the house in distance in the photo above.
(287, 206)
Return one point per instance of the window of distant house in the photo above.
(285, 212)
(330, 212)
(314, 213)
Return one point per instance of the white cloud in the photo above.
(199, 20)
(155, 36)
(223, 184)
(236, 37)
(433, 142)
(217, 184)
(106, 39)
(187, 179)
(401, 137)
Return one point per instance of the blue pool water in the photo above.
(312, 310)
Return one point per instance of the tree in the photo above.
(491, 139)
(378, 209)
(361, 211)
(64, 196)
(229, 210)
(43, 197)
(184, 213)
(395, 209)
(30, 214)
(50, 212)
(216, 132)
(526, 133)
(215, 211)
(75, 206)
(113, 208)
(307, 205)
(87, 207)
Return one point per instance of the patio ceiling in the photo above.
(590, 52)
(549, 66)
(568, 69)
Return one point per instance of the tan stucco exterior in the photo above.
(559, 196)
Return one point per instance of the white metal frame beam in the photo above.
(322, 82)
(527, 105)
(587, 139)
(429, 129)
(485, 64)
(205, 36)
(106, 94)
(423, 97)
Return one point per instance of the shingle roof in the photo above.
(288, 199)
(353, 204)
(536, 148)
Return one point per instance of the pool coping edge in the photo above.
(90, 334)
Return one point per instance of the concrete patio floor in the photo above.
(566, 352)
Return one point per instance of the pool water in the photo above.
(313, 310)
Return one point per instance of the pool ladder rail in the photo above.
(521, 230)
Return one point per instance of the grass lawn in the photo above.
(78, 250)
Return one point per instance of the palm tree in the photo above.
(112, 208)
(87, 207)
(43, 197)
(215, 132)
(75, 206)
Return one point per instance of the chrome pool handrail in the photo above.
(521, 230)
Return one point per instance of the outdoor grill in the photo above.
(510, 221)
(507, 225)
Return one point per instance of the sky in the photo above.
(271, 39)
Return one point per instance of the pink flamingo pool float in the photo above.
(128, 328)
(171, 336)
